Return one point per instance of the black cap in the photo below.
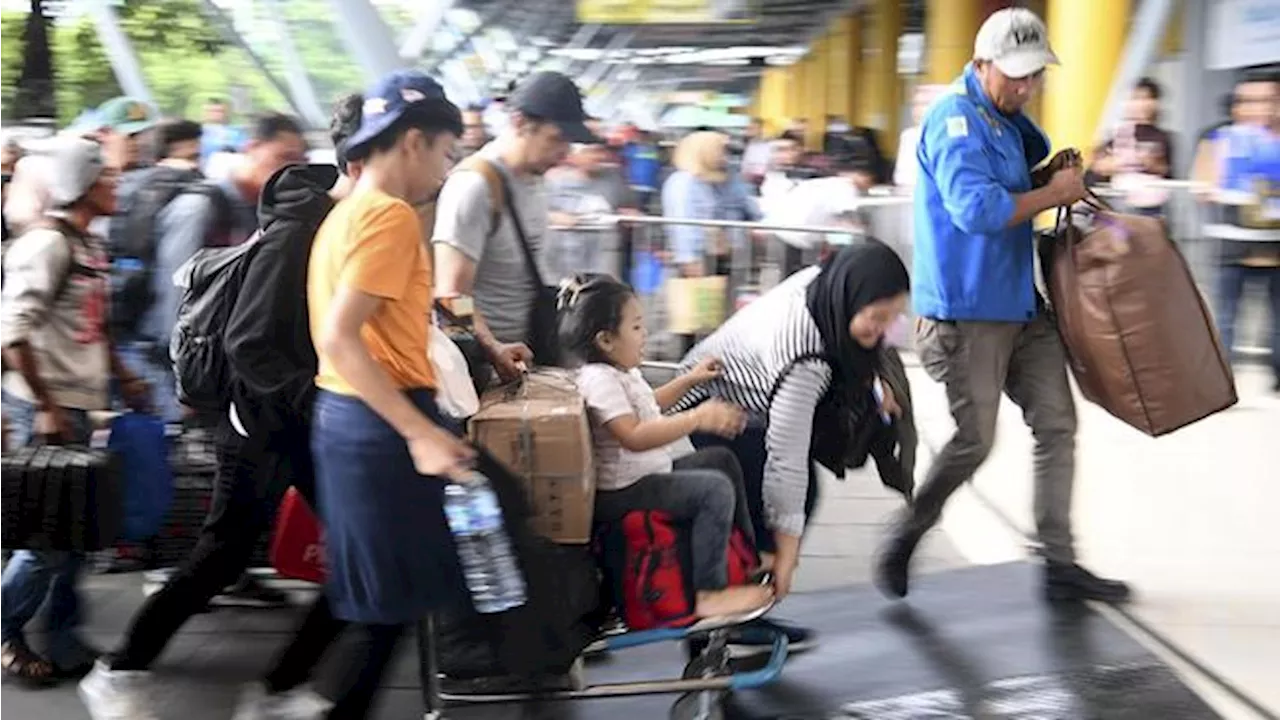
(553, 97)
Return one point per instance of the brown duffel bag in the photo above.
(1140, 339)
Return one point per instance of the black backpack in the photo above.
(210, 282)
(133, 244)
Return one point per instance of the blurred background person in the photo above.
(786, 169)
(1137, 153)
(588, 184)
(474, 133)
(825, 202)
(702, 188)
(218, 135)
(642, 160)
(1246, 197)
(12, 153)
(757, 153)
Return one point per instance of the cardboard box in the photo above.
(538, 428)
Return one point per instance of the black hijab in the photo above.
(850, 280)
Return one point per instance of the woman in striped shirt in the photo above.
(805, 354)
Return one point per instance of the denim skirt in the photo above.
(391, 558)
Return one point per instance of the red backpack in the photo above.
(648, 558)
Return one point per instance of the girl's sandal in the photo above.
(21, 663)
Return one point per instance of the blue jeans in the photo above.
(150, 361)
(1232, 279)
(32, 577)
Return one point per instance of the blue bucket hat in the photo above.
(390, 99)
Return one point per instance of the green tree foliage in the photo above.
(11, 49)
(185, 59)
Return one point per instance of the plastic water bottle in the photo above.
(484, 549)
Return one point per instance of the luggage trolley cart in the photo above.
(702, 687)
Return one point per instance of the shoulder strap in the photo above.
(497, 188)
(806, 357)
(64, 231)
(217, 234)
(504, 195)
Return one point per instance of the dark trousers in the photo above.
(251, 479)
(979, 362)
(1233, 278)
(363, 668)
(749, 448)
(704, 490)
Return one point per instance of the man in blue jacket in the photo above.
(982, 330)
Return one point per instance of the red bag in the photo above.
(297, 549)
(655, 588)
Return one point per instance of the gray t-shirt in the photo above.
(505, 289)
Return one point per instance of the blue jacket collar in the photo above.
(1035, 143)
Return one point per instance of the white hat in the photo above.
(72, 165)
(1016, 41)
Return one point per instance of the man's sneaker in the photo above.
(756, 638)
(116, 694)
(250, 592)
(300, 703)
(893, 561)
(1071, 583)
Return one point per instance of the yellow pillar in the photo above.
(772, 99)
(879, 85)
(794, 88)
(1172, 44)
(949, 30)
(1088, 36)
(815, 94)
(844, 49)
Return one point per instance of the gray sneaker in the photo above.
(116, 694)
(300, 703)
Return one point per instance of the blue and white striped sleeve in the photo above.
(786, 470)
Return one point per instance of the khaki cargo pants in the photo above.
(978, 362)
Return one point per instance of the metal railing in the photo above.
(759, 259)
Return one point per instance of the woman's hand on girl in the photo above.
(706, 370)
(721, 418)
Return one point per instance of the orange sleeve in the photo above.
(381, 260)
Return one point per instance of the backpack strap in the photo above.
(497, 188)
(803, 358)
(218, 233)
(65, 231)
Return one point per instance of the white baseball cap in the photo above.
(71, 166)
(1016, 41)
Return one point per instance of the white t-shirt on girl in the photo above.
(611, 393)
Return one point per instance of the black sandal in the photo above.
(21, 663)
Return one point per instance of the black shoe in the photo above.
(250, 592)
(893, 568)
(1072, 583)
